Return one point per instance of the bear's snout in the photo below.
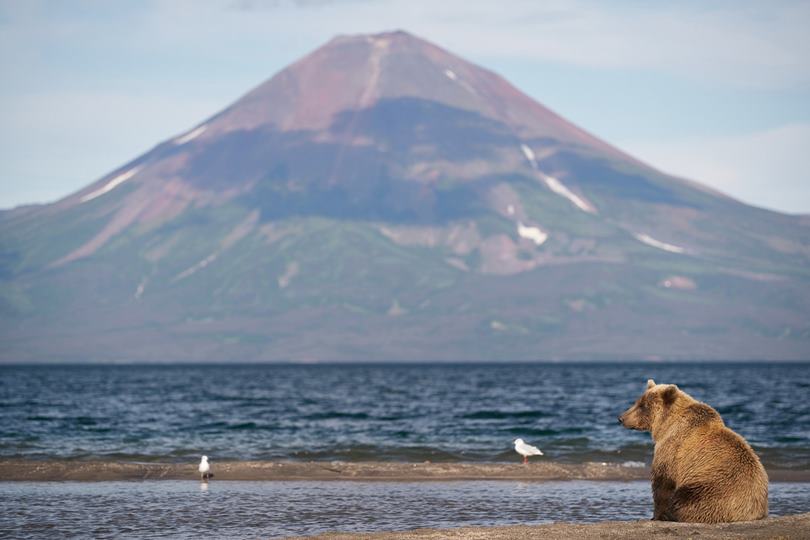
(630, 419)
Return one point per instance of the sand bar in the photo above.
(786, 527)
(80, 470)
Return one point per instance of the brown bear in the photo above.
(702, 471)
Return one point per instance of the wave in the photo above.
(540, 432)
(504, 415)
(335, 415)
(249, 426)
(358, 453)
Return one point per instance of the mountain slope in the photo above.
(382, 199)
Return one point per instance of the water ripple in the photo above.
(388, 412)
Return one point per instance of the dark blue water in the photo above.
(399, 412)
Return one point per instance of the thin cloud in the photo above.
(765, 168)
(741, 43)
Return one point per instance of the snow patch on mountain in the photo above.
(650, 241)
(112, 184)
(529, 153)
(560, 189)
(191, 135)
(140, 289)
(532, 233)
(199, 266)
(453, 76)
(289, 273)
(555, 185)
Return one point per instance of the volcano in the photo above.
(382, 199)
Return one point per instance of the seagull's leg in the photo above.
(525, 460)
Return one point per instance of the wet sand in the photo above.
(31, 470)
(786, 527)
(90, 471)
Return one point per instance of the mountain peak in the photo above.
(353, 72)
(390, 36)
(348, 72)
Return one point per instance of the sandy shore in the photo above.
(787, 527)
(32, 470)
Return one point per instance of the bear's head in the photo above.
(652, 404)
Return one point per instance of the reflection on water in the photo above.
(180, 509)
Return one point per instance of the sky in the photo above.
(718, 92)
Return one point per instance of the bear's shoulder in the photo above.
(700, 414)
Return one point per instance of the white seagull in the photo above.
(526, 450)
(205, 469)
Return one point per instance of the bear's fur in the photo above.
(702, 471)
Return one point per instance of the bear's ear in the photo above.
(650, 383)
(670, 395)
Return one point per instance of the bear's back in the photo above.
(716, 463)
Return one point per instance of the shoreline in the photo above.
(27, 470)
(783, 527)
